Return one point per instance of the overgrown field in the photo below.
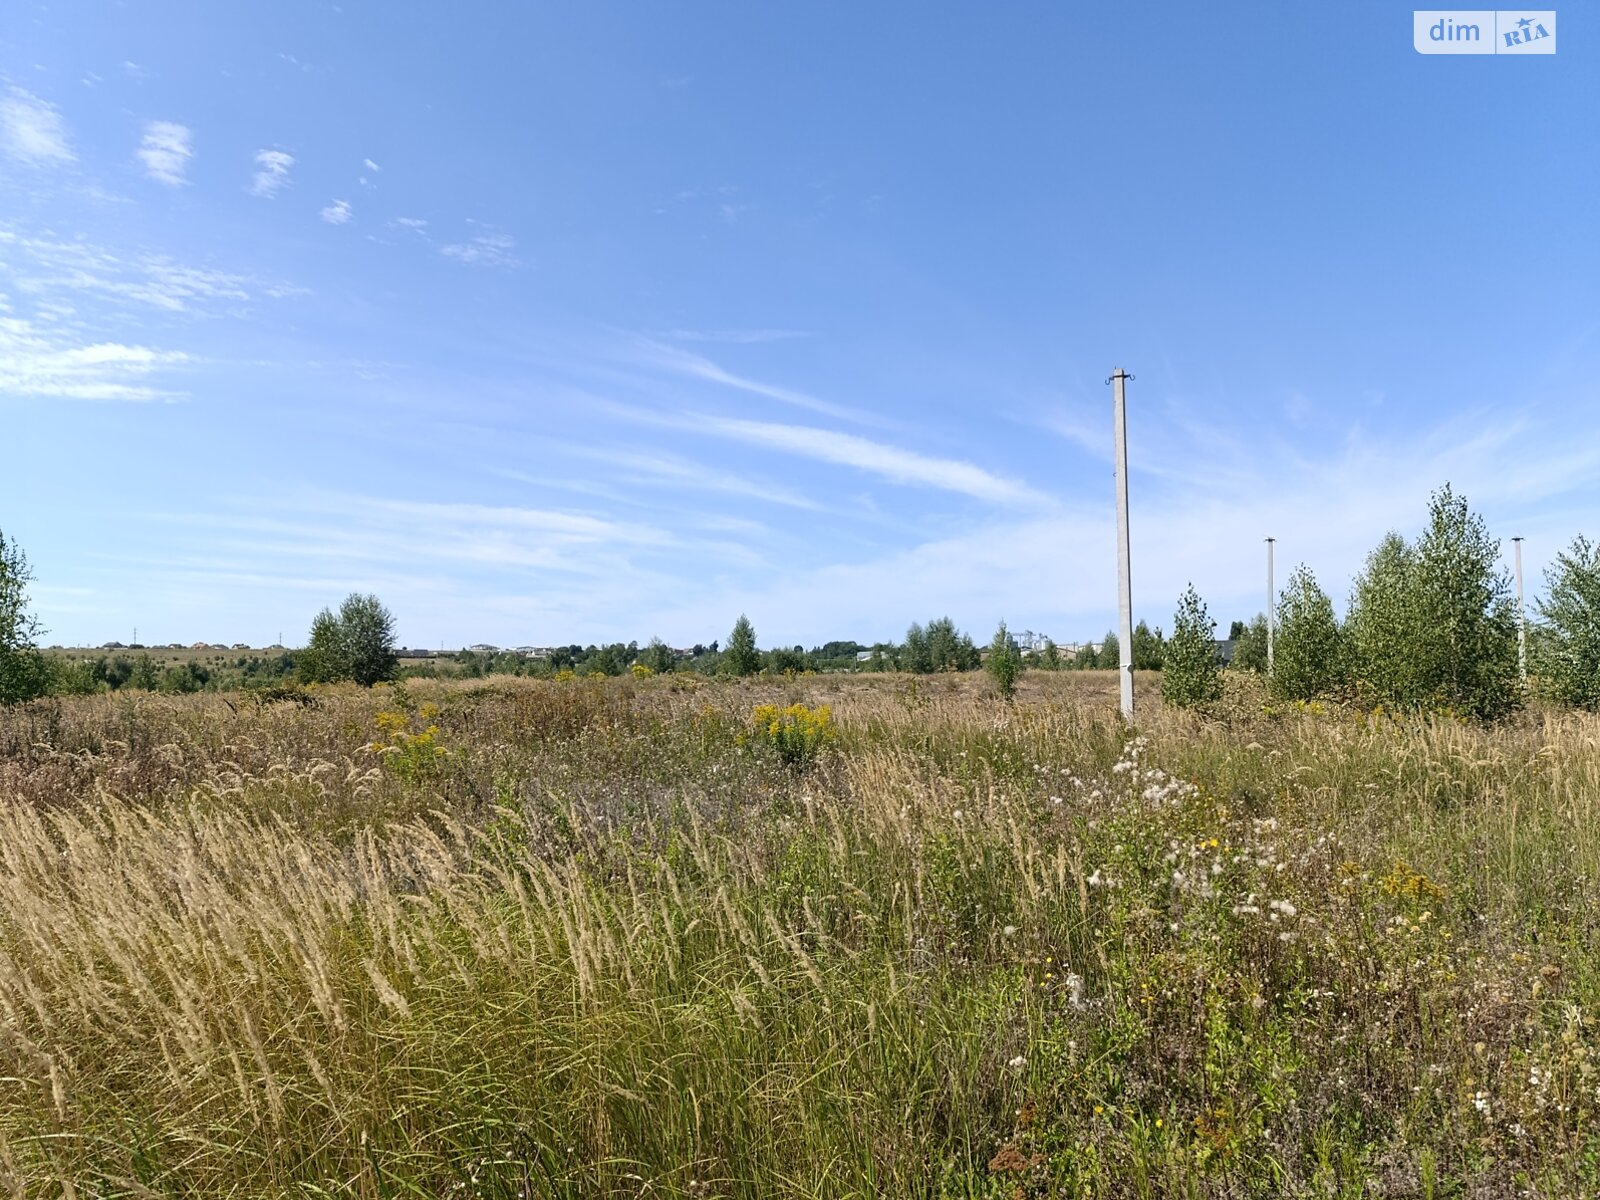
(653, 938)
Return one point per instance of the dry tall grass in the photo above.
(540, 939)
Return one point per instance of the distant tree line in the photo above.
(1430, 625)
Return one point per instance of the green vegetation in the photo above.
(1569, 640)
(357, 644)
(1149, 649)
(1432, 624)
(610, 937)
(1005, 662)
(1191, 675)
(1308, 650)
(1250, 645)
(741, 657)
(23, 671)
(939, 647)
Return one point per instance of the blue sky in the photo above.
(557, 323)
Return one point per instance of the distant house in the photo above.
(484, 648)
(241, 645)
(200, 646)
(1224, 648)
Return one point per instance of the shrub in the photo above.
(1569, 643)
(1190, 674)
(797, 733)
(409, 754)
(659, 658)
(1005, 661)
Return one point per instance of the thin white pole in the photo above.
(1271, 616)
(1124, 575)
(1522, 619)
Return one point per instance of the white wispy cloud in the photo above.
(39, 362)
(1055, 571)
(695, 366)
(165, 152)
(370, 165)
(48, 270)
(375, 530)
(31, 130)
(889, 462)
(738, 337)
(337, 213)
(272, 173)
(485, 250)
(660, 468)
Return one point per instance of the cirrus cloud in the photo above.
(31, 130)
(165, 152)
(272, 173)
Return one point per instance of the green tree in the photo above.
(1467, 611)
(117, 672)
(658, 656)
(356, 644)
(1308, 650)
(369, 639)
(916, 657)
(184, 678)
(1149, 649)
(741, 657)
(947, 646)
(1382, 622)
(24, 673)
(939, 647)
(1050, 656)
(785, 659)
(1191, 675)
(323, 660)
(144, 675)
(1005, 661)
(1432, 625)
(1250, 645)
(1567, 650)
(1109, 657)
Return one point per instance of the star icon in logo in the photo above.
(1525, 22)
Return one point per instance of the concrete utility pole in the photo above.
(1118, 379)
(1271, 616)
(1522, 619)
